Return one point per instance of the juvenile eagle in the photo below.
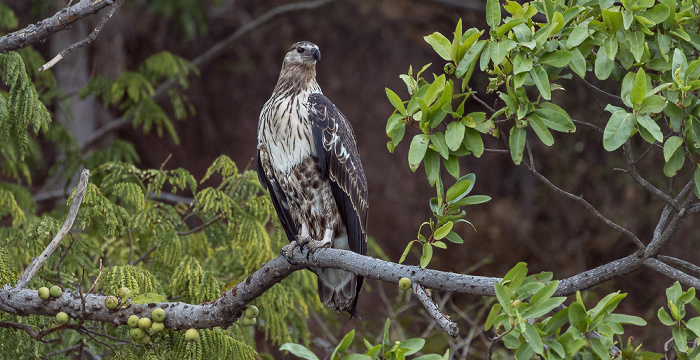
(308, 160)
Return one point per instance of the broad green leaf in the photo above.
(148, 298)
(694, 325)
(639, 88)
(577, 36)
(626, 319)
(432, 166)
(555, 117)
(541, 130)
(652, 104)
(473, 142)
(438, 140)
(499, 50)
(493, 13)
(578, 317)
(650, 125)
(345, 343)
(466, 65)
(454, 237)
(543, 307)
(544, 293)
(495, 311)
(674, 164)
(599, 349)
(603, 64)
(439, 244)
(452, 166)
(412, 346)
(443, 230)
(636, 40)
(454, 135)
(578, 63)
(680, 338)
(670, 146)
(406, 251)
(507, 26)
(299, 351)
(539, 76)
(359, 356)
(457, 191)
(517, 144)
(435, 88)
(533, 338)
(515, 276)
(521, 63)
(396, 101)
(610, 45)
(440, 44)
(416, 152)
(559, 58)
(472, 200)
(502, 294)
(427, 255)
(618, 130)
(658, 14)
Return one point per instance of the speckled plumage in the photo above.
(308, 160)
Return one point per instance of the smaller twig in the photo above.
(87, 40)
(39, 261)
(673, 273)
(632, 170)
(200, 227)
(494, 340)
(131, 247)
(26, 328)
(589, 125)
(680, 263)
(695, 208)
(63, 256)
(601, 91)
(144, 256)
(97, 279)
(165, 161)
(445, 323)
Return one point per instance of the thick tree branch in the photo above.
(87, 40)
(42, 30)
(36, 264)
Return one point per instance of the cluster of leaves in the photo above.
(572, 332)
(682, 331)
(446, 208)
(387, 350)
(648, 48)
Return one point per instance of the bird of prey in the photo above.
(309, 162)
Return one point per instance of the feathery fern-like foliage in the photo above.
(8, 272)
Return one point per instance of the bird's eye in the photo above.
(300, 50)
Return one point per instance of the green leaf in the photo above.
(618, 130)
(473, 142)
(427, 255)
(542, 307)
(537, 124)
(694, 325)
(603, 64)
(406, 251)
(555, 117)
(559, 58)
(650, 125)
(577, 36)
(299, 351)
(454, 135)
(432, 166)
(626, 319)
(459, 190)
(636, 39)
(412, 346)
(396, 101)
(680, 338)
(493, 13)
(466, 65)
(344, 344)
(674, 164)
(578, 316)
(652, 104)
(472, 200)
(578, 63)
(544, 293)
(517, 144)
(639, 89)
(495, 311)
(539, 76)
(533, 338)
(452, 166)
(599, 349)
(502, 294)
(515, 277)
(441, 232)
(416, 152)
(670, 146)
(148, 298)
(440, 44)
(438, 140)
(454, 237)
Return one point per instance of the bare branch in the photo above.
(599, 275)
(680, 263)
(580, 200)
(659, 243)
(589, 125)
(673, 273)
(601, 91)
(632, 170)
(36, 264)
(145, 255)
(205, 58)
(87, 40)
(24, 327)
(445, 323)
(62, 20)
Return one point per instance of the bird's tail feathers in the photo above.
(338, 290)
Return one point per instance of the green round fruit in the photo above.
(192, 335)
(516, 303)
(157, 327)
(133, 321)
(144, 340)
(62, 318)
(251, 311)
(111, 302)
(124, 292)
(44, 293)
(449, 68)
(56, 291)
(405, 283)
(249, 321)
(158, 315)
(145, 323)
(137, 333)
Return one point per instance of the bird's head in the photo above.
(303, 53)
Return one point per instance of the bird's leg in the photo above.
(300, 240)
(316, 244)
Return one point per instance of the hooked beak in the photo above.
(316, 54)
